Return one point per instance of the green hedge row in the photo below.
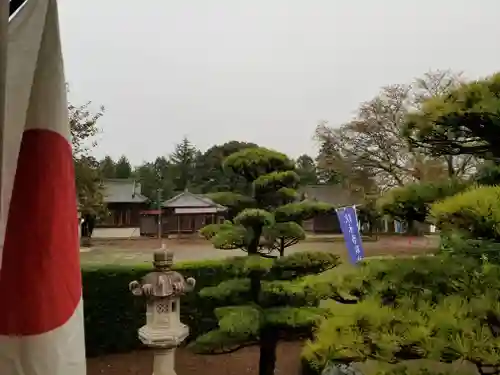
(113, 315)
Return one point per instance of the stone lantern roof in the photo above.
(163, 282)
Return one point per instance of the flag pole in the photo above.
(4, 29)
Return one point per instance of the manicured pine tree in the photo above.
(260, 306)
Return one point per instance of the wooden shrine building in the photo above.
(124, 202)
(186, 213)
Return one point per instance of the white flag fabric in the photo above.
(41, 318)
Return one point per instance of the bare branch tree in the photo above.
(374, 142)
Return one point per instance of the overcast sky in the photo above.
(265, 71)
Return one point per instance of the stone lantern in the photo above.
(163, 331)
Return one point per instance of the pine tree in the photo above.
(183, 160)
(306, 169)
(441, 308)
(261, 309)
(154, 176)
(123, 169)
(107, 167)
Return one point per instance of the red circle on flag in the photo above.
(40, 280)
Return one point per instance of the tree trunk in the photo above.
(90, 225)
(413, 228)
(84, 229)
(255, 275)
(450, 167)
(282, 246)
(268, 343)
(267, 340)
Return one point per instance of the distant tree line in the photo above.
(385, 145)
(187, 167)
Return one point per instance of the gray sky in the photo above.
(264, 71)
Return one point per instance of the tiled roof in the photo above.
(123, 191)
(333, 194)
(187, 199)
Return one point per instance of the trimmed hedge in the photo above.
(113, 314)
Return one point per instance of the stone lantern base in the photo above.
(164, 362)
(164, 342)
(161, 338)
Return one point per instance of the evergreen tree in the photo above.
(123, 169)
(183, 161)
(210, 175)
(441, 308)
(154, 176)
(273, 224)
(107, 167)
(306, 169)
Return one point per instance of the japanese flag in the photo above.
(41, 320)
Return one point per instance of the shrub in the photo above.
(488, 174)
(411, 202)
(428, 307)
(113, 315)
(456, 244)
(286, 305)
(475, 212)
(454, 329)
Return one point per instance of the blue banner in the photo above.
(349, 225)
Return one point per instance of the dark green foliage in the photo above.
(275, 275)
(236, 324)
(463, 121)
(235, 202)
(272, 224)
(488, 174)
(154, 176)
(183, 165)
(411, 203)
(456, 244)
(253, 217)
(107, 167)
(89, 188)
(113, 315)
(252, 163)
(285, 234)
(226, 236)
(123, 168)
(268, 220)
(306, 169)
(211, 177)
(287, 300)
(302, 264)
(369, 214)
(300, 211)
